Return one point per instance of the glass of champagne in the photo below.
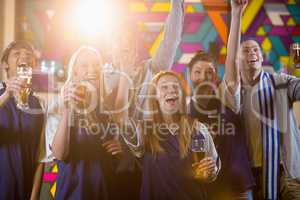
(199, 147)
(24, 72)
(295, 55)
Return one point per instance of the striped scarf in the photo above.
(270, 137)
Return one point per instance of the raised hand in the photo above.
(238, 6)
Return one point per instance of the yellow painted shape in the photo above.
(250, 13)
(291, 2)
(284, 60)
(291, 22)
(223, 50)
(53, 189)
(156, 43)
(296, 72)
(55, 169)
(137, 7)
(142, 27)
(190, 9)
(266, 45)
(161, 7)
(261, 31)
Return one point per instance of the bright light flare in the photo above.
(94, 17)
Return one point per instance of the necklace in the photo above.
(173, 128)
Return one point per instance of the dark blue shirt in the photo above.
(20, 134)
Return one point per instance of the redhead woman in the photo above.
(166, 140)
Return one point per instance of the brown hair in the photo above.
(200, 56)
(152, 138)
(17, 44)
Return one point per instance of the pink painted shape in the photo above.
(192, 27)
(285, 18)
(290, 29)
(278, 30)
(49, 177)
(190, 47)
(150, 17)
(267, 21)
(178, 68)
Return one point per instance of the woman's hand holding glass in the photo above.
(72, 95)
(205, 169)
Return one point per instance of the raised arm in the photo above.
(165, 54)
(232, 73)
(130, 132)
(61, 140)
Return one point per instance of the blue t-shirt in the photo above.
(20, 134)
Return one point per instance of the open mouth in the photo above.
(252, 61)
(22, 64)
(172, 99)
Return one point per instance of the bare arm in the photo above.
(132, 140)
(37, 182)
(165, 54)
(232, 73)
(61, 141)
(125, 83)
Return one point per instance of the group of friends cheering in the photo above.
(136, 140)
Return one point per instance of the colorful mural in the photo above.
(274, 23)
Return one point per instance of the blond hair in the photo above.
(72, 63)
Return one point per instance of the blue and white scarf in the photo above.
(270, 137)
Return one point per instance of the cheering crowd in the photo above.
(149, 136)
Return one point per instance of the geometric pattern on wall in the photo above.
(275, 24)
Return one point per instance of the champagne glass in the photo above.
(24, 72)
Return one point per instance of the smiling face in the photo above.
(169, 94)
(88, 67)
(203, 71)
(18, 56)
(250, 56)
